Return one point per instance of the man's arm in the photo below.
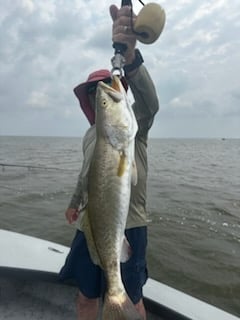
(79, 198)
(146, 103)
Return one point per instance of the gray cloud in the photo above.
(47, 49)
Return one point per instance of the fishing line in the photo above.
(32, 167)
(141, 2)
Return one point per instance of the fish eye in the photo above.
(104, 103)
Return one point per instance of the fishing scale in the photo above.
(147, 28)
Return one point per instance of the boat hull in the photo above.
(30, 288)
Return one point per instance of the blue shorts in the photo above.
(89, 278)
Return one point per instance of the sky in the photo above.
(48, 47)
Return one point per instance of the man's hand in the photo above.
(122, 30)
(71, 215)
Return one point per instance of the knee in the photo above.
(87, 309)
(141, 309)
(84, 302)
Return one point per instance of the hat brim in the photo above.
(82, 95)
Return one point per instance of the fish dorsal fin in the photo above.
(134, 173)
(126, 250)
(86, 227)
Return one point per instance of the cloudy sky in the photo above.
(48, 47)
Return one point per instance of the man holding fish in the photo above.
(107, 256)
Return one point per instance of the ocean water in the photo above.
(193, 206)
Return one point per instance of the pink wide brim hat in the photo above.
(82, 94)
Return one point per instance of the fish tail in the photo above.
(119, 307)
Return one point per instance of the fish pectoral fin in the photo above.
(86, 227)
(122, 165)
(126, 250)
(134, 173)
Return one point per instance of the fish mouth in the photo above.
(113, 90)
(115, 85)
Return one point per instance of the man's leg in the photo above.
(134, 271)
(87, 276)
(87, 309)
(141, 309)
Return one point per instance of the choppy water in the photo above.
(193, 204)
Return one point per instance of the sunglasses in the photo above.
(93, 86)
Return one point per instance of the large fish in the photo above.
(111, 172)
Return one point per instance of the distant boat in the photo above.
(30, 289)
